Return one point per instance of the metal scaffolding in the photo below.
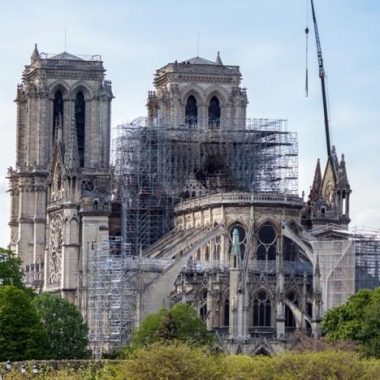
(111, 296)
(115, 286)
(159, 164)
(336, 260)
(367, 257)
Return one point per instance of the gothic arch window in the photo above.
(207, 253)
(214, 113)
(290, 322)
(266, 243)
(290, 249)
(57, 113)
(226, 321)
(261, 310)
(238, 240)
(191, 112)
(80, 111)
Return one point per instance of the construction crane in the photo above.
(322, 76)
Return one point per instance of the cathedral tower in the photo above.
(60, 188)
(198, 93)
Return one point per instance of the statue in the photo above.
(235, 248)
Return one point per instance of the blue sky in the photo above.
(267, 40)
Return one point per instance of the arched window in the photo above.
(80, 110)
(226, 321)
(57, 113)
(261, 310)
(289, 250)
(290, 322)
(214, 113)
(266, 243)
(191, 112)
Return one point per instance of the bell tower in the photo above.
(60, 188)
(198, 94)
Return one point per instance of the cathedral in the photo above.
(200, 205)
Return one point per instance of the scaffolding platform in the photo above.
(367, 257)
(158, 165)
(113, 293)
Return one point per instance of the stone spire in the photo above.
(35, 55)
(218, 60)
(317, 183)
(342, 173)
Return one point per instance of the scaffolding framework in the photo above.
(158, 165)
(111, 296)
(367, 257)
(114, 289)
(337, 270)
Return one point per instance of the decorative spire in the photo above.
(317, 183)
(35, 55)
(342, 173)
(317, 271)
(218, 60)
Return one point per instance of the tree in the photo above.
(178, 323)
(356, 320)
(10, 269)
(65, 326)
(171, 361)
(22, 335)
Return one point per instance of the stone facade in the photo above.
(242, 257)
(60, 187)
(251, 281)
(198, 93)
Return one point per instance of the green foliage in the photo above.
(357, 320)
(179, 323)
(170, 361)
(65, 326)
(176, 360)
(10, 269)
(22, 335)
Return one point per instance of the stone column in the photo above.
(280, 291)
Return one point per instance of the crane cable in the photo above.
(307, 50)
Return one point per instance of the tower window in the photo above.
(80, 109)
(191, 112)
(57, 113)
(214, 113)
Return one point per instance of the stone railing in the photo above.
(238, 198)
(89, 206)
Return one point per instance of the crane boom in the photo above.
(322, 75)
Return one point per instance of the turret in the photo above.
(35, 55)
